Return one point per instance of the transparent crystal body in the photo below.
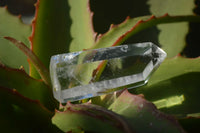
(75, 75)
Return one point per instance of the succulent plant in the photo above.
(168, 103)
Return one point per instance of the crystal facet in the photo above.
(90, 73)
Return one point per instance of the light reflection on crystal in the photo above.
(125, 66)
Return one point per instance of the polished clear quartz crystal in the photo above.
(90, 73)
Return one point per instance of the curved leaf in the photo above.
(50, 33)
(12, 26)
(34, 107)
(27, 86)
(141, 115)
(89, 118)
(119, 33)
(172, 37)
(44, 72)
(177, 83)
(20, 114)
(174, 67)
(52, 36)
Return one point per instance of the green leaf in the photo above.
(175, 67)
(12, 26)
(27, 86)
(89, 118)
(177, 83)
(33, 106)
(143, 115)
(119, 33)
(50, 33)
(172, 37)
(116, 33)
(20, 114)
(42, 70)
(82, 26)
(127, 113)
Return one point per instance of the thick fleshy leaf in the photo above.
(119, 33)
(174, 87)
(143, 115)
(20, 114)
(90, 118)
(66, 33)
(51, 34)
(172, 37)
(127, 113)
(33, 106)
(27, 86)
(12, 26)
(104, 15)
(175, 67)
(82, 26)
(42, 70)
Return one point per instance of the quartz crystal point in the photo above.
(75, 75)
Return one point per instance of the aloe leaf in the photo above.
(177, 31)
(21, 114)
(130, 27)
(142, 114)
(12, 96)
(27, 86)
(82, 26)
(172, 37)
(12, 26)
(177, 83)
(127, 113)
(120, 33)
(174, 67)
(89, 118)
(50, 33)
(44, 72)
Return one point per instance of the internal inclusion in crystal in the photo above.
(73, 74)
